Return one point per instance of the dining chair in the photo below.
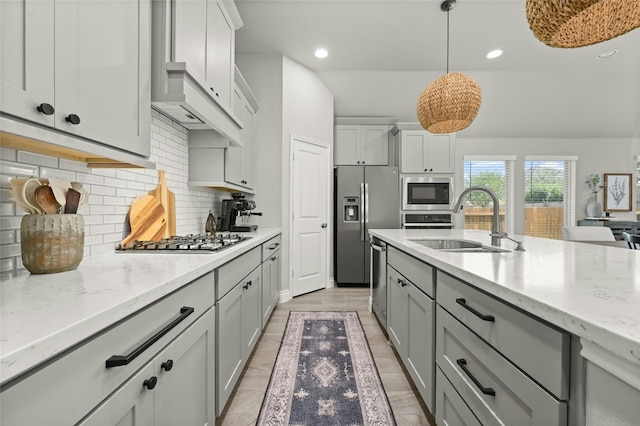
(632, 240)
(587, 233)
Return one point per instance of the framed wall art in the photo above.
(617, 192)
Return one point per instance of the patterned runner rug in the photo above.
(325, 375)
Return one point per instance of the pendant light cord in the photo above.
(447, 41)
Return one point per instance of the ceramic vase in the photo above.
(51, 242)
(594, 208)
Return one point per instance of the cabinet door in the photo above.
(233, 165)
(412, 151)
(229, 345)
(190, 36)
(27, 58)
(130, 405)
(185, 394)
(375, 141)
(421, 343)
(346, 145)
(438, 154)
(275, 278)
(220, 53)
(270, 286)
(397, 311)
(102, 71)
(247, 149)
(251, 311)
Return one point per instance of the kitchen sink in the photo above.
(458, 246)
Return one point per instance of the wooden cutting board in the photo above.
(148, 220)
(168, 201)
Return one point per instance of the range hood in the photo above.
(179, 96)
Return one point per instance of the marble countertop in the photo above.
(43, 315)
(592, 291)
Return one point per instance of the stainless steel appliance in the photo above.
(234, 208)
(192, 243)
(379, 279)
(366, 197)
(427, 193)
(427, 221)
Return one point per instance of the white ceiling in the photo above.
(382, 53)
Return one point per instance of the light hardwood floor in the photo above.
(245, 402)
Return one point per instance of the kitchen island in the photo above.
(44, 318)
(588, 292)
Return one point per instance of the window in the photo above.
(494, 173)
(549, 196)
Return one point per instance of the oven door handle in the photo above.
(433, 225)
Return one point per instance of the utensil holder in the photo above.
(51, 242)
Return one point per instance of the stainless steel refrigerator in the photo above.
(366, 197)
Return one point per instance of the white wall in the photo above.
(111, 192)
(293, 101)
(595, 156)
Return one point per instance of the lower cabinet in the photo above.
(270, 278)
(411, 322)
(450, 407)
(239, 324)
(158, 361)
(172, 389)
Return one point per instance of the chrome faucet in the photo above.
(496, 235)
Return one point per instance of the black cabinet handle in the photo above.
(273, 246)
(150, 383)
(483, 317)
(273, 259)
(119, 360)
(402, 282)
(46, 109)
(73, 119)
(463, 364)
(167, 365)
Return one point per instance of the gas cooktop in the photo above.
(192, 243)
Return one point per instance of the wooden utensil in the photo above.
(148, 220)
(73, 199)
(168, 201)
(46, 200)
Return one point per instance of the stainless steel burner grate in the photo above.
(192, 243)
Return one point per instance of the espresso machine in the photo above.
(236, 207)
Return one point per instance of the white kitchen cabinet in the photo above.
(411, 328)
(102, 380)
(238, 161)
(239, 320)
(424, 152)
(271, 273)
(80, 67)
(361, 145)
(175, 388)
(204, 39)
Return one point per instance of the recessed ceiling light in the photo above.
(607, 54)
(321, 53)
(494, 54)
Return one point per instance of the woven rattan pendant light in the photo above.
(577, 23)
(450, 103)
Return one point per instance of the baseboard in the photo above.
(331, 283)
(285, 296)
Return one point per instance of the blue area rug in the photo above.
(325, 375)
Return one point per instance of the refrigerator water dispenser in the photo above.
(351, 209)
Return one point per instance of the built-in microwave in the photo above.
(427, 193)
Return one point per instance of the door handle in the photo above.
(362, 212)
(324, 225)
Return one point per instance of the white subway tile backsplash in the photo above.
(111, 192)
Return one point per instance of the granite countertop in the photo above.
(590, 290)
(43, 315)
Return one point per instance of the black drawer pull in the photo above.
(463, 364)
(402, 282)
(119, 360)
(167, 365)
(46, 109)
(150, 383)
(273, 246)
(483, 317)
(274, 258)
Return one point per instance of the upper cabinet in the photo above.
(193, 64)
(361, 145)
(424, 152)
(77, 67)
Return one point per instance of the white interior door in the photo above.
(310, 201)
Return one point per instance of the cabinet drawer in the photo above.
(67, 389)
(542, 351)
(418, 272)
(496, 391)
(270, 247)
(450, 407)
(233, 272)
